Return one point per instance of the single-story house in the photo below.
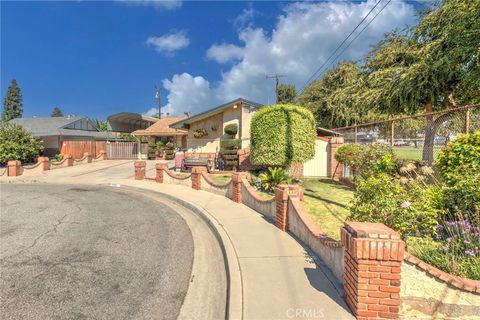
(54, 130)
(213, 122)
(161, 131)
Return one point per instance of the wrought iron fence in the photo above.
(418, 137)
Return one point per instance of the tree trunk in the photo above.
(429, 141)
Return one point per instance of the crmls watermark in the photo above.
(302, 313)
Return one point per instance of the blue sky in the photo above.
(99, 58)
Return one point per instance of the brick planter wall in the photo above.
(373, 259)
(197, 177)
(14, 168)
(160, 169)
(237, 178)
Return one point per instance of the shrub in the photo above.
(367, 160)
(57, 157)
(463, 197)
(231, 144)
(17, 144)
(151, 151)
(231, 129)
(460, 155)
(281, 135)
(410, 211)
(273, 177)
(169, 151)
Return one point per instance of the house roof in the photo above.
(213, 111)
(326, 132)
(128, 121)
(162, 128)
(56, 126)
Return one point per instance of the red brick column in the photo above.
(334, 168)
(373, 258)
(237, 186)
(282, 194)
(69, 160)
(88, 157)
(44, 163)
(160, 171)
(14, 168)
(197, 177)
(140, 170)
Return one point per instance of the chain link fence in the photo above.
(418, 137)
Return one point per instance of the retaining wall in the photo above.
(380, 280)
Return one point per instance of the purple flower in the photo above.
(445, 248)
(470, 252)
(466, 241)
(405, 204)
(449, 239)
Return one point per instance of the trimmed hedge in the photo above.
(231, 129)
(231, 163)
(230, 156)
(231, 144)
(230, 151)
(282, 134)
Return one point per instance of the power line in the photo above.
(276, 77)
(348, 45)
(340, 45)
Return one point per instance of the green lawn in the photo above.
(326, 201)
(220, 178)
(413, 153)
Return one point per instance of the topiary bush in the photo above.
(229, 149)
(231, 129)
(169, 151)
(17, 144)
(282, 134)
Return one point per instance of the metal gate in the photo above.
(126, 150)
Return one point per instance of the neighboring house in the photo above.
(53, 131)
(213, 121)
(161, 131)
(129, 122)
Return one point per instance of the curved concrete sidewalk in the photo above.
(278, 278)
(275, 276)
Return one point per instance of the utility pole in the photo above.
(276, 77)
(157, 96)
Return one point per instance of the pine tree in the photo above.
(56, 112)
(12, 105)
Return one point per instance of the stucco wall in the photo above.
(425, 297)
(247, 114)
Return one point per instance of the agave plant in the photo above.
(273, 177)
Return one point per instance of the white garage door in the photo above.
(317, 167)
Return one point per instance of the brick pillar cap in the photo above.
(140, 163)
(199, 169)
(67, 156)
(14, 163)
(238, 176)
(43, 159)
(370, 230)
(86, 154)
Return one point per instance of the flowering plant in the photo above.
(461, 238)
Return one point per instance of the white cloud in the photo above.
(169, 43)
(245, 19)
(303, 37)
(157, 4)
(223, 53)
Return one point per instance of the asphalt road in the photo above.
(77, 252)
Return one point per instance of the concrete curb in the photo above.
(234, 305)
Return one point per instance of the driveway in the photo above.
(90, 252)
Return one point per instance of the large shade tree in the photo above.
(433, 67)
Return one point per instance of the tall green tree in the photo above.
(286, 93)
(56, 112)
(13, 103)
(336, 99)
(435, 66)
